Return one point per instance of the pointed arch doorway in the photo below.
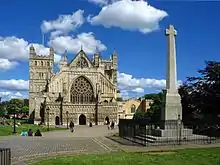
(82, 119)
(57, 120)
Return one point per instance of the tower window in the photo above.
(133, 108)
(42, 63)
(48, 63)
(36, 63)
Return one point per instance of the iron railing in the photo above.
(5, 156)
(147, 133)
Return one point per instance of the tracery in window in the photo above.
(82, 63)
(81, 91)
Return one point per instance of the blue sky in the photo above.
(142, 55)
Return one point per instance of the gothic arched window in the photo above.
(133, 108)
(82, 63)
(81, 91)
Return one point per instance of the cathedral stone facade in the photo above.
(82, 91)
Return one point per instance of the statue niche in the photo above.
(81, 91)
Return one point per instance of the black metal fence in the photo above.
(5, 156)
(146, 133)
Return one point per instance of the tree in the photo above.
(150, 96)
(201, 94)
(15, 105)
(25, 109)
(154, 112)
(3, 110)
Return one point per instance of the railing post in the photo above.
(5, 156)
(179, 125)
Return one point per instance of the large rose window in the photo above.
(81, 91)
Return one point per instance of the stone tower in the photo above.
(40, 73)
(115, 67)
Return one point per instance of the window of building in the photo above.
(36, 63)
(81, 91)
(133, 108)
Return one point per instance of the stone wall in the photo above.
(75, 110)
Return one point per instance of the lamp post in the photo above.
(96, 104)
(44, 106)
(96, 110)
(179, 122)
(14, 120)
(48, 119)
(67, 119)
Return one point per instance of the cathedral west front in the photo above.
(83, 90)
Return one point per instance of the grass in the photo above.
(6, 130)
(208, 156)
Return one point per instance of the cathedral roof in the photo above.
(81, 54)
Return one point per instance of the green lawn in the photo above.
(7, 130)
(208, 156)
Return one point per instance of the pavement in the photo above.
(83, 140)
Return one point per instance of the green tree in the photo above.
(25, 109)
(3, 110)
(15, 105)
(154, 112)
(150, 96)
(201, 94)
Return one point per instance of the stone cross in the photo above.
(171, 77)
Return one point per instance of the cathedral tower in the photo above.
(40, 72)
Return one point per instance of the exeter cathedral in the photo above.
(83, 90)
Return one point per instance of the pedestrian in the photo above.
(30, 133)
(24, 133)
(112, 125)
(38, 133)
(71, 126)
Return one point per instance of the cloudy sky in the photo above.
(135, 29)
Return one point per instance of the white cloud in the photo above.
(99, 2)
(55, 34)
(134, 16)
(128, 82)
(13, 48)
(64, 23)
(5, 64)
(14, 85)
(102, 2)
(130, 86)
(87, 40)
(138, 90)
(7, 95)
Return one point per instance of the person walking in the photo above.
(71, 126)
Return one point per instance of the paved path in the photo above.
(83, 140)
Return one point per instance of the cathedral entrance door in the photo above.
(57, 120)
(82, 119)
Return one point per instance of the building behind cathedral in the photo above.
(82, 91)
